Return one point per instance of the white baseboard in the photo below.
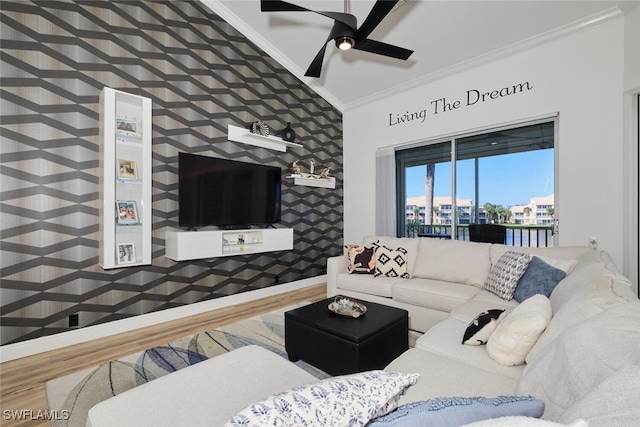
(52, 342)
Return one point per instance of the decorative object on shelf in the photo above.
(296, 168)
(311, 179)
(128, 126)
(127, 212)
(127, 169)
(125, 253)
(324, 174)
(346, 307)
(260, 128)
(288, 133)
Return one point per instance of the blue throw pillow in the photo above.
(540, 278)
(457, 411)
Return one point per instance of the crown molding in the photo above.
(589, 22)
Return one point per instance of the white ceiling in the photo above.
(447, 36)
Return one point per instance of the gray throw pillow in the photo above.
(540, 278)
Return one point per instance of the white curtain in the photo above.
(385, 192)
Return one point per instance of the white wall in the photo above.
(579, 76)
(632, 116)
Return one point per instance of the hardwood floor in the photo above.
(22, 381)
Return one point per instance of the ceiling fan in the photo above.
(345, 31)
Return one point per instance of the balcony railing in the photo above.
(517, 235)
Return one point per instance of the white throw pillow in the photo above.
(391, 262)
(350, 400)
(524, 422)
(510, 343)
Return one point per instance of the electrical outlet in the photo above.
(593, 242)
(74, 320)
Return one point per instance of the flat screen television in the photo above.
(227, 193)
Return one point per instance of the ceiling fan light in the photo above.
(345, 43)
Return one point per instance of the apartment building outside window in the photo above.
(501, 176)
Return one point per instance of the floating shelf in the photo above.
(245, 136)
(313, 182)
(187, 245)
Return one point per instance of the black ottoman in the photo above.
(339, 345)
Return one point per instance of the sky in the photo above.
(507, 180)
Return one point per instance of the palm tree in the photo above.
(428, 193)
(436, 213)
(490, 211)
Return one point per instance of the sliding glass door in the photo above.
(502, 176)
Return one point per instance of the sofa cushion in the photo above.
(582, 306)
(539, 278)
(518, 332)
(456, 411)
(391, 262)
(434, 294)
(331, 402)
(409, 244)
(208, 393)
(505, 274)
(362, 259)
(561, 374)
(381, 286)
(594, 271)
(444, 339)
(613, 402)
(552, 252)
(482, 301)
(441, 375)
(482, 326)
(453, 261)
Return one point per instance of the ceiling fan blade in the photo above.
(316, 65)
(379, 11)
(373, 46)
(283, 6)
(280, 6)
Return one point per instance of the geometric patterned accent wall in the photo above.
(201, 75)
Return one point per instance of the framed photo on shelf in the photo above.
(128, 126)
(127, 169)
(127, 212)
(125, 254)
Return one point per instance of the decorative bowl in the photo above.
(345, 307)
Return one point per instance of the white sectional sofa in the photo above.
(444, 275)
(584, 365)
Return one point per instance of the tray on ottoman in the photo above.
(339, 345)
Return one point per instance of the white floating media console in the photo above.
(186, 245)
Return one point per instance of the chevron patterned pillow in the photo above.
(540, 278)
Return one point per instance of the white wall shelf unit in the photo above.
(125, 180)
(245, 136)
(187, 245)
(313, 182)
